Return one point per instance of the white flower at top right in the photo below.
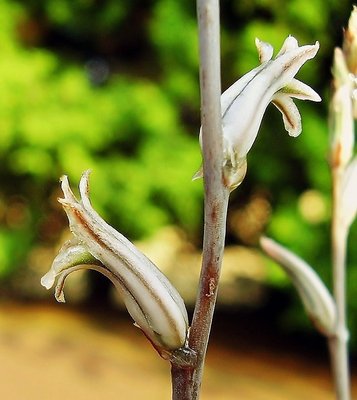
(244, 103)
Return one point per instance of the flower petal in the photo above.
(265, 50)
(71, 254)
(290, 43)
(291, 114)
(300, 90)
(152, 301)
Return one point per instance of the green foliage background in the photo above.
(113, 86)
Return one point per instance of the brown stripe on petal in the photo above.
(88, 227)
(282, 109)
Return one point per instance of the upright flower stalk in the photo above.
(344, 193)
(329, 312)
(216, 191)
(338, 343)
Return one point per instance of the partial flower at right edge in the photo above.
(350, 42)
(349, 194)
(341, 114)
(317, 300)
(350, 55)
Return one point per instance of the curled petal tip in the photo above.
(67, 191)
(63, 178)
(59, 294)
(87, 172)
(48, 280)
(84, 181)
(300, 90)
(265, 50)
(84, 187)
(290, 113)
(290, 43)
(316, 47)
(314, 96)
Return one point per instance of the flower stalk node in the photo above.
(184, 357)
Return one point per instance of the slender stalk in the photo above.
(206, 299)
(216, 193)
(187, 381)
(338, 343)
(181, 379)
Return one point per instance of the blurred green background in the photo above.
(113, 86)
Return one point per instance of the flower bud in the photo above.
(154, 304)
(318, 302)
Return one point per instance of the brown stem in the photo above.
(181, 382)
(187, 381)
(216, 194)
(211, 265)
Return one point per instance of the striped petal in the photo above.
(244, 103)
(151, 300)
(291, 114)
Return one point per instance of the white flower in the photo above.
(243, 104)
(151, 300)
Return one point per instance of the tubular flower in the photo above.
(341, 113)
(151, 300)
(243, 104)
